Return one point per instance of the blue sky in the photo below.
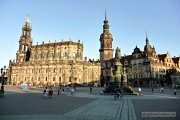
(83, 19)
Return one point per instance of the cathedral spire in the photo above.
(26, 33)
(27, 26)
(25, 42)
(28, 19)
(147, 40)
(105, 26)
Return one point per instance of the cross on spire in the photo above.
(147, 40)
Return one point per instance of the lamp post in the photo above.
(72, 79)
(3, 73)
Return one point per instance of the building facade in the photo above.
(57, 63)
(147, 67)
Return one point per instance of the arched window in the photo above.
(59, 55)
(69, 78)
(52, 55)
(65, 54)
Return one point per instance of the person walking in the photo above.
(174, 91)
(90, 89)
(72, 91)
(74, 87)
(45, 91)
(162, 90)
(63, 89)
(50, 92)
(139, 90)
(152, 90)
(59, 89)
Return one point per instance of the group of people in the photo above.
(48, 92)
(160, 89)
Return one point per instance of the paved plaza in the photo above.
(32, 105)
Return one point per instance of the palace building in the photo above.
(141, 68)
(147, 67)
(57, 63)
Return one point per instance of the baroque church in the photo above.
(53, 63)
(62, 63)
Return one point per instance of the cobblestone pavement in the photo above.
(31, 105)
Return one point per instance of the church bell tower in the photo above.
(25, 43)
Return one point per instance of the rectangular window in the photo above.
(52, 55)
(69, 78)
(53, 78)
(59, 55)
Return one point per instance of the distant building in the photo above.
(57, 63)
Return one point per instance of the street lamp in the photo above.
(72, 79)
(3, 73)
